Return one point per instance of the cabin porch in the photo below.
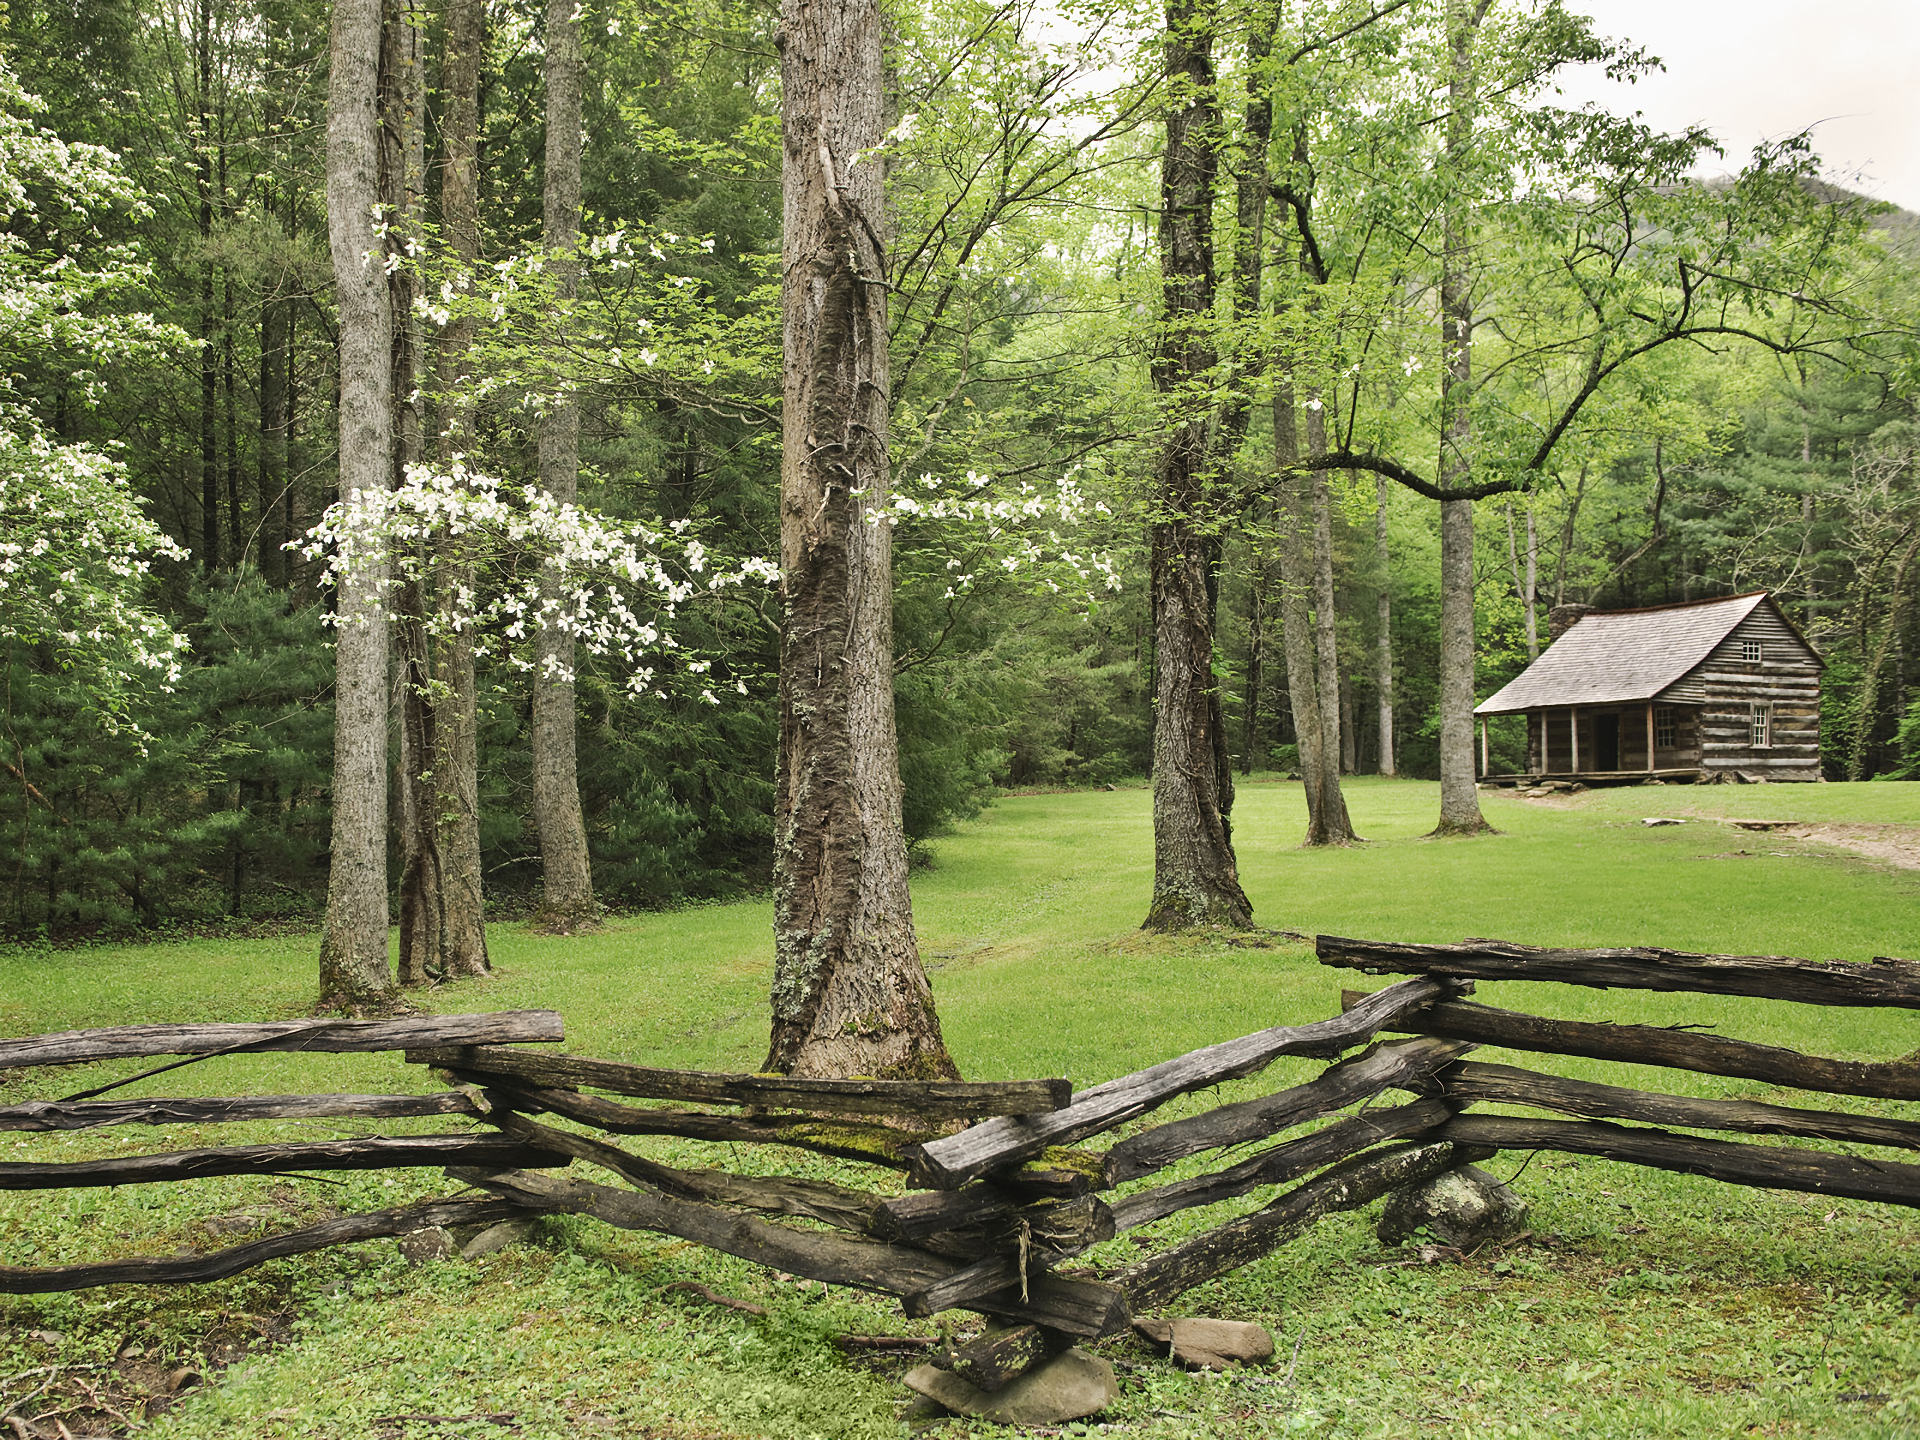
(1607, 744)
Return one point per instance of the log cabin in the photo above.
(1710, 689)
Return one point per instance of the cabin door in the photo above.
(1606, 740)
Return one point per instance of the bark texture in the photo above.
(1196, 878)
(849, 995)
(1459, 787)
(1327, 819)
(1383, 654)
(353, 950)
(567, 899)
(402, 186)
(457, 779)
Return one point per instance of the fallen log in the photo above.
(1471, 1082)
(192, 1269)
(1881, 981)
(1675, 1049)
(842, 1139)
(378, 1153)
(1152, 1282)
(1282, 1163)
(88, 1115)
(1087, 1308)
(927, 1099)
(123, 1042)
(1768, 1166)
(952, 1161)
(1384, 1067)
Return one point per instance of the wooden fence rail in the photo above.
(997, 1207)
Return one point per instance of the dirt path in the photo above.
(1896, 844)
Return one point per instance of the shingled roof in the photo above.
(1612, 657)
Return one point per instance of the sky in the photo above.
(1751, 70)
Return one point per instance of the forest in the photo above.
(1254, 377)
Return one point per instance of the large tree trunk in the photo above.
(353, 950)
(1196, 879)
(402, 181)
(1383, 653)
(1459, 784)
(567, 901)
(464, 942)
(849, 995)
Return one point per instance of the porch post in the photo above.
(1486, 765)
(1649, 737)
(1573, 739)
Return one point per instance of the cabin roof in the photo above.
(1615, 656)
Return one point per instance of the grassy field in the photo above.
(1645, 1303)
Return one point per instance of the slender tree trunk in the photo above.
(1459, 783)
(1258, 582)
(272, 468)
(1326, 631)
(1327, 821)
(403, 181)
(1383, 652)
(849, 995)
(457, 769)
(209, 350)
(1196, 878)
(567, 902)
(353, 951)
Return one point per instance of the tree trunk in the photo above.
(353, 950)
(272, 472)
(1459, 783)
(849, 995)
(457, 768)
(403, 178)
(1326, 633)
(1327, 819)
(1383, 660)
(1257, 585)
(567, 900)
(209, 351)
(1196, 879)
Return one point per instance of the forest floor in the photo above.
(1642, 1304)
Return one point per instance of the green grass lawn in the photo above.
(1647, 1304)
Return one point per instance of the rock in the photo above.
(1203, 1344)
(51, 1339)
(433, 1243)
(1661, 820)
(1067, 1387)
(1466, 1208)
(498, 1237)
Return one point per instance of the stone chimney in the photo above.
(1560, 617)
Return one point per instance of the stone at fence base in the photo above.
(497, 1237)
(1071, 1385)
(1466, 1208)
(433, 1243)
(1203, 1344)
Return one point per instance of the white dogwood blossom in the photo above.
(621, 583)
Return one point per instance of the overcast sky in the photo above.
(1759, 69)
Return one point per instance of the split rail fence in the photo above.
(993, 1212)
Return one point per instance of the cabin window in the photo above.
(1751, 652)
(1762, 725)
(1664, 727)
